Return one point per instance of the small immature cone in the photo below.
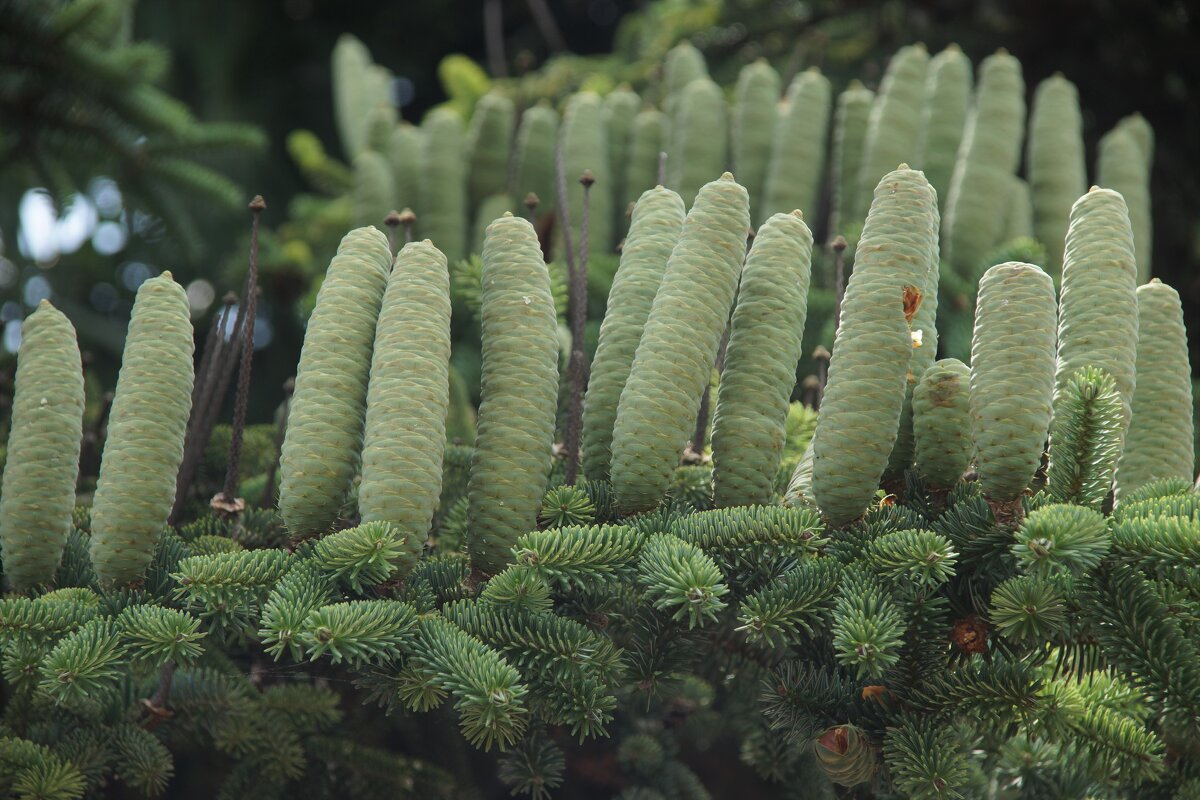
(519, 393)
(749, 427)
(943, 117)
(1122, 166)
(1055, 163)
(38, 493)
(942, 422)
(146, 430)
(755, 103)
(798, 147)
(657, 221)
(1098, 312)
(673, 362)
(1012, 376)
(699, 141)
(320, 453)
(1160, 440)
(868, 374)
(407, 396)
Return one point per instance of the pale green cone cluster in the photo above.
(443, 183)
(1098, 311)
(584, 147)
(1122, 166)
(849, 142)
(657, 221)
(1160, 441)
(1012, 376)
(755, 102)
(674, 358)
(408, 395)
(519, 393)
(42, 464)
(1055, 163)
(320, 454)
(797, 161)
(894, 122)
(489, 140)
(942, 422)
(868, 373)
(988, 157)
(699, 138)
(146, 429)
(943, 117)
(533, 157)
(749, 425)
(359, 85)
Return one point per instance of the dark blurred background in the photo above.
(266, 63)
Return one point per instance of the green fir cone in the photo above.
(849, 141)
(699, 139)
(533, 157)
(1098, 312)
(925, 346)
(1121, 166)
(490, 209)
(408, 395)
(1137, 125)
(646, 143)
(987, 159)
(749, 425)
(404, 154)
(868, 373)
(374, 190)
(682, 65)
(894, 122)
(358, 86)
(621, 107)
(674, 359)
(755, 102)
(443, 184)
(1012, 376)
(1055, 164)
(943, 117)
(942, 422)
(489, 140)
(798, 149)
(381, 121)
(519, 390)
(657, 221)
(1160, 441)
(146, 429)
(319, 458)
(799, 489)
(1018, 216)
(584, 147)
(37, 501)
